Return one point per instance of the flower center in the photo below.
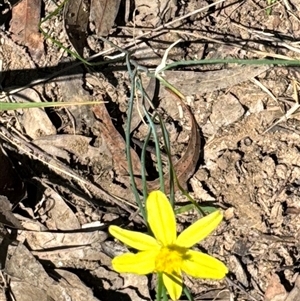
(169, 259)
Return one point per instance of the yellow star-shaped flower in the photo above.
(165, 252)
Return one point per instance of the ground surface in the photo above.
(70, 167)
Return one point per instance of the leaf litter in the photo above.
(253, 175)
(24, 26)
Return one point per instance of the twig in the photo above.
(289, 113)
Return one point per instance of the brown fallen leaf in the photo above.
(115, 142)
(190, 82)
(29, 281)
(76, 18)
(60, 215)
(6, 216)
(63, 145)
(5, 12)
(58, 242)
(103, 14)
(275, 291)
(35, 120)
(24, 26)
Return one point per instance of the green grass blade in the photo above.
(234, 61)
(6, 106)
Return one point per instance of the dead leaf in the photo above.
(190, 82)
(6, 216)
(70, 285)
(154, 13)
(35, 120)
(29, 281)
(72, 89)
(237, 269)
(80, 146)
(76, 18)
(132, 287)
(41, 241)
(275, 291)
(115, 142)
(60, 216)
(65, 249)
(14, 57)
(103, 14)
(5, 10)
(24, 26)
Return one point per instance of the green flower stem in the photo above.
(164, 292)
(157, 149)
(143, 161)
(145, 97)
(187, 293)
(127, 136)
(161, 290)
(168, 152)
(159, 286)
(184, 192)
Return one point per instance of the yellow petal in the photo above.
(161, 218)
(141, 263)
(200, 265)
(136, 240)
(173, 284)
(199, 230)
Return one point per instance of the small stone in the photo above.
(226, 110)
(281, 171)
(256, 106)
(229, 214)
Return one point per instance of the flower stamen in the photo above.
(169, 259)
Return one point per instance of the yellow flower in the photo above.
(165, 252)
